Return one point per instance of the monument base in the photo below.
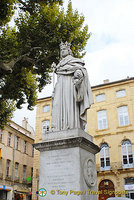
(67, 166)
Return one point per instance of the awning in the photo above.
(4, 187)
(22, 190)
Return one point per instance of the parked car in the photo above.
(118, 198)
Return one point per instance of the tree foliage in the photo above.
(6, 111)
(30, 47)
(6, 11)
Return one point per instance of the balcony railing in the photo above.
(24, 181)
(8, 177)
(130, 165)
(16, 179)
(114, 166)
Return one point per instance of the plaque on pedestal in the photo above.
(67, 166)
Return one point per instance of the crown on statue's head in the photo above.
(65, 45)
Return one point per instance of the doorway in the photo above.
(106, 188)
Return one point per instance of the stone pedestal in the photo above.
(67, 165)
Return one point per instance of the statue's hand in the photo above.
(78, 78)
(77, 82)
(53, 65)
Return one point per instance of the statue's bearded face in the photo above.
(64, 52)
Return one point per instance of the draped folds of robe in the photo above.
(70, 103)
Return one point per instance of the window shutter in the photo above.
(129, 147)
(102, 119)
(102, 153)
(124, 152)
(106, 151)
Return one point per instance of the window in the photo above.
(45, 126)
(129, 180)
(8, 168)
(25, 146)
(85, 129)
(104, 157)
(100, 97)
(46, 108)
(127, 155)
(1, 136)
(123, 116)
(9, 139)
(32, 151)
(17, 142)
(31, 172)
(129, 183)
(102, 119)
(24, 172)
(16, 170)
(121, 93)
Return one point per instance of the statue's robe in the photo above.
(70, 103)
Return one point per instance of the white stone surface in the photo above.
(72, 95)
(70, 133)
(62, 171)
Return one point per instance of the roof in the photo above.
(44, 98)
(21, 130)
(100, 85)
(113, 82)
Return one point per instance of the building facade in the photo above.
(16, 162)
(43, 124)
(110, 121)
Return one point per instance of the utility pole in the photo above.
(13, 167)
(38, 187)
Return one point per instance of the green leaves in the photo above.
(33, 45)
(8, 44)
(6, 11)
(6, 111)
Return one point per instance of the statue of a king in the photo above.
(72, 94)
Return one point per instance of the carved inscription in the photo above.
(58, 173)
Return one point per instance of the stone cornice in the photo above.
(67, 143)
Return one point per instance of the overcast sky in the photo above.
(109, 50)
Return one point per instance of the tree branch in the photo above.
(7, 67)
(26, 7)
(23, 3)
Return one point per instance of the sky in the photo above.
(110, 49)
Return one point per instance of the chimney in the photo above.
(106, 81)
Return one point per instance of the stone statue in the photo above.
(72, 94)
